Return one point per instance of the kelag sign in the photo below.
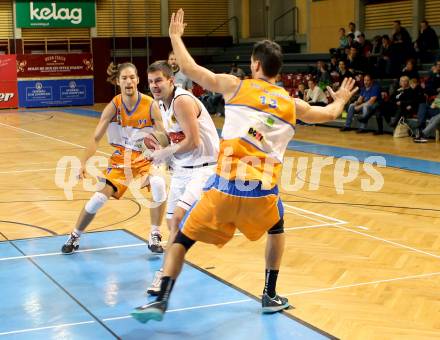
(8, 82)
(55, 13)
(41, 93)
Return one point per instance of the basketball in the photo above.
(155, 140)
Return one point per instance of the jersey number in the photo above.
(271, 102)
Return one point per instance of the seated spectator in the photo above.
(333, 65)
(433, 125)
(301, 91)
(315, 95)
(352, 29)
(410, 70)
(427, 42)
(321, 74)
(343, 72)
(425, 112)
(363, 46)
(367, 103)
(343, 43)
(419, 93)
(376, 46)
(351, 41)
(279, 80)
(383, 64)
(432, 87)
(404, 100)
(236, 71)
(356, 64)
(384, 111)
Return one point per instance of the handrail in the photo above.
(295, 27)
(235, 18)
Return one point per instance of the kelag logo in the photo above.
(55, 13)
(5, 97)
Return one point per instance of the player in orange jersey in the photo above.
(260, 121)
(127, 119)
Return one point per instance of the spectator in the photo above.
(333, 65)
(180, 79)
(279, 80)
(351, 42)
(427, 42)
(424, 113)
(367, 103)
(343, 43)
(385, 57)
(301, 91)
(315, 95)
(321, 74)
(352, 29)
(404, 101)
(343, 72)
(432, 84)
(355, 63)
(410, 70)
(364, 46)
(401, 42)
(237, 71)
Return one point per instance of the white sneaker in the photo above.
(154, 288)
(154, 243)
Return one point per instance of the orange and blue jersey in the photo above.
(259, 123)
(128, 127)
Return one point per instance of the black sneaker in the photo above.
(151, 311)
(344, 129)
(154, 243)
(154, 288)
(275, 304)
(71, 244)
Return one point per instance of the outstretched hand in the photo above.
(177, 26)
(345, 91)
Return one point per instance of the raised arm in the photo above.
(319, 114)
(225, 84)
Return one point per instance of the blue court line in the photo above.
(110, 282)
(400, 162)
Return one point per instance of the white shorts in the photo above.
(186, 187)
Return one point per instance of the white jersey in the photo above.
(207, 151)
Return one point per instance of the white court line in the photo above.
(390, 242)
(419, 276)
(314, 213)
(409, 277)
(49, 137)
(76, 251)
(48, 327)
(337, 225)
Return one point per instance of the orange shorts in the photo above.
(224, 207)
(119, 175)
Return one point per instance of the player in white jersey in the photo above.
(193, 151)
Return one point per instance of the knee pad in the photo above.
(158, 189)
(184, 240)
(96, 202)
(278, 228)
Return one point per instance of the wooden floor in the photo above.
(358, 265)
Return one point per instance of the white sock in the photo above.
(77, 232)
(155, 229)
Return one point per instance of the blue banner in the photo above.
(63, 92)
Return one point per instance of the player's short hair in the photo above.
(163, 66)
(269, 54)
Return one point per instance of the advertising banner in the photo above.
(54, 65)
(8, 81)
(61, 13)
(62, 92)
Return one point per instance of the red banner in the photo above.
(54, 65)
(8, 94)
(8, 81)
